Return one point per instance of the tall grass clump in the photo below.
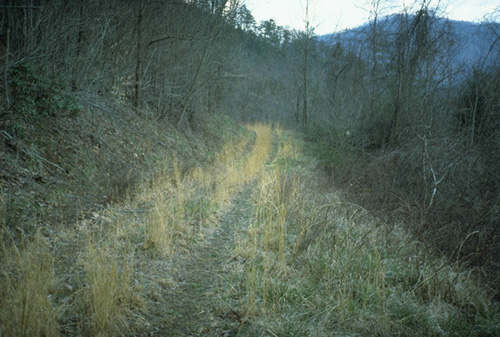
(167, 217)
(27, 284)
(272, 207)
(261, 149)
(225, 175)
(166, 199)
(180, 202)
(264, 246)
(109, 298)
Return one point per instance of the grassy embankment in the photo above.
(78, 237)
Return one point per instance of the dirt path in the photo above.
(197, 293)
(202, 304)
(255, 245)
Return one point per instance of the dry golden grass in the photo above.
(171, 204)
(27, 283)
(111, 298)
(264, 246)
(178, 203)
(261, 149)
(168, 217)
(102, 294)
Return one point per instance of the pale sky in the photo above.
(328, 16)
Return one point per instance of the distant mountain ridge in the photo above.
(475, 44)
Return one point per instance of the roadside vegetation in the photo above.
(309, 263)
(298, 260)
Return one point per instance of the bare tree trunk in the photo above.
(305, 69)
(374, 42)
(297, 109)
(6, 69)
(304, 84)
(473, 122)
(138, 64)
(78, 52)
(183, 120)
(6, 64)
(208, 42)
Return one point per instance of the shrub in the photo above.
(35, 96)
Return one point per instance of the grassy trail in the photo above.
(198, 298)
(291, 258)
(253, 244)
(201, 304)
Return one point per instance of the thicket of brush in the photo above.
(440, 179)
(413, 134)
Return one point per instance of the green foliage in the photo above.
(35, 96)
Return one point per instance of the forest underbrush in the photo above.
(312, 263)
(439, 189)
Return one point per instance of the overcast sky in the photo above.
(333, 15)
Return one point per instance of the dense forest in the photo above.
(389, 111)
